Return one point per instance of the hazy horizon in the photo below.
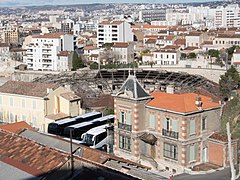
(64, 2)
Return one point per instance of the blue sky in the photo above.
(53, 2)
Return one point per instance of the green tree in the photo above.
(229, 81)
(183, 55)
(213, 53)
(192, 55)
(230, 51)
(94, 65)
(76, 62)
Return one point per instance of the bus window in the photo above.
(88, 139)
(100, 137)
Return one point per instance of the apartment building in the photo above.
(228, 16)
(123, 52)
(148, 15)
(38, 104)
(169, 131)
(195, 39)
(114, 31)
(10, 36)
(42, 51)
(225, 40)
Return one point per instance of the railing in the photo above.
(171, 134)
(124, 126)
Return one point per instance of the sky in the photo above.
(58, 2)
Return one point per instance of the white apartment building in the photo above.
(148, 15)
(166, 57)
(114, 31)
(123, 52)
(42, 51)
(228, 16)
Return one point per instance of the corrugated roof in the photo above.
(27, 88)
(182, 103)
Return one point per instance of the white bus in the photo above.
(96, 137)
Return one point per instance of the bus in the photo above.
(96, 137)
(57, 127)
(80, 128)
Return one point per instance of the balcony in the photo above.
(171, 134)
(124, 126)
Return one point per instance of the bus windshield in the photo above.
(88, 139)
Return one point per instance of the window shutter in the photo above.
(128, 118)
(152, 121)
(175, 125)
(192, 153)
(192, 127)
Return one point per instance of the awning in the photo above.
(148, 138)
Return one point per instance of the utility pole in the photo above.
(233, 172)
(71, 151)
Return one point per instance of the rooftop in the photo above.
(180, 103)
(120, 45)
(28, 156)
(27, 88)
(16, 127)
(70, 96)
(50, 35)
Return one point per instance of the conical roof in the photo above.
(132, 89)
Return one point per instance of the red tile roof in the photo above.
(50, 35)
(182, 103)
(220, 137)
(120, 45)
(28, 155)
(27, 88)
(16, 127)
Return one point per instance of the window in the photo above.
(172, 56)
(34, 104)
(11, 117)
(24, 118)
(122, 117)
(128, 118)
(204, 119)
(170, 151)
(11, 101)
(124, 142)
(192, 127)
(168, 124)
(192, 153)
(34, 121)
(100, 137)
(23, 103)
(1, 116)
(152, 121)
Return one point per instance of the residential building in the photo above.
(235, 61)
(195, 39)
(169, 131)
(148, 15)
(42, 51)
(228, 16)
(123, 52)
(166, 56)
(226, 40)
(11, 36)
(65, 60)
(114, 31)
(38, 104)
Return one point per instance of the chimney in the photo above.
(170, 89)
(198, 102)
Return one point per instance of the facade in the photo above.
(228, 16)
(166, 57)
(64, 60)
(169, 131)
(42, 51)
(226, 40)
(114, 31)
(11, 36)
(123, 52)
(148, 15)
(195, 39)
(33, 102)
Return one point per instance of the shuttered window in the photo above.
(152, 121)
(175, 125)
(192, 127)
(128, 118)
(192, 153)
